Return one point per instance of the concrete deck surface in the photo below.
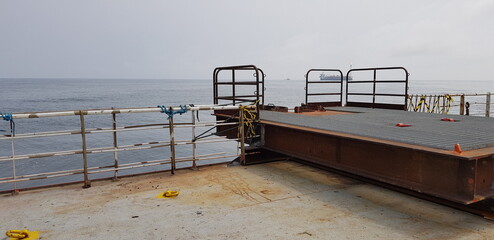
(278, 200)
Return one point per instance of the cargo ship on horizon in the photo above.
(324, 77)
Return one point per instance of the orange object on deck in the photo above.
(458, 148)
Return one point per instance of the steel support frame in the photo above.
(453, 178)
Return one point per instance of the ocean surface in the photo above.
(37, 95)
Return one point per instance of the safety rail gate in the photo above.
(375, 81)
(234, 99)
(328, 103)
(345, 93)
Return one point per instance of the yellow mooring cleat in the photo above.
(168, 194)
(22, 234)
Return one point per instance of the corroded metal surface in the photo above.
(279, 200)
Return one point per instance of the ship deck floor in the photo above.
(277, 200)
(474, 134)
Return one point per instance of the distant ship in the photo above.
(325, 77)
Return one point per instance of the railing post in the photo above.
(374, 89)
(87, 183)
(462, 104)
(443, 108)
(194, 166)
(233, 86)
(14, 175)
(241, 135)
(488, 105)
(115, 145)
(172, 143)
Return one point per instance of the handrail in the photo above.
(116, 111)
(374, 82)
(307, 82)
(171, 142)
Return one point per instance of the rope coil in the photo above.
(249, 119)
(22, 234)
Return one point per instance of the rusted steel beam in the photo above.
(447, 176)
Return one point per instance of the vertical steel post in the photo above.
(462, 104)
(262, 86)
(488, 105)
(14, 175)
(374, 89)
(172, 143)
(215, 86)
(87, 183)
(194, 166)
(406, 89)
(241, 136)
(115, 145)
(306, 87)
(257, 88)
(233, 86)
(443, 110)
(346, 87)
(341, 89)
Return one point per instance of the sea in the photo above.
(39, 95)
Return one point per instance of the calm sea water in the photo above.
(34, 95)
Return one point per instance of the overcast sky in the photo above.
(433, 39)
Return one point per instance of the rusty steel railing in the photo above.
(375, 81)
(258, 94)
(325, 103)
(462, 104)
(85, 150)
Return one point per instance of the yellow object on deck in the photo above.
(22, 234)
(168, 194)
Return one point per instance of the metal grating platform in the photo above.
(427, 129)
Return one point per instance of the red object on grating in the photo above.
(449, 120)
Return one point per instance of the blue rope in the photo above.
(8, 117)
(170, 112)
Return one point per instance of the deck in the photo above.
(278, 200)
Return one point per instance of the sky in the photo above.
(433, 39)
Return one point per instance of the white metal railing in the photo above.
(115, 149)
(462, 104)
